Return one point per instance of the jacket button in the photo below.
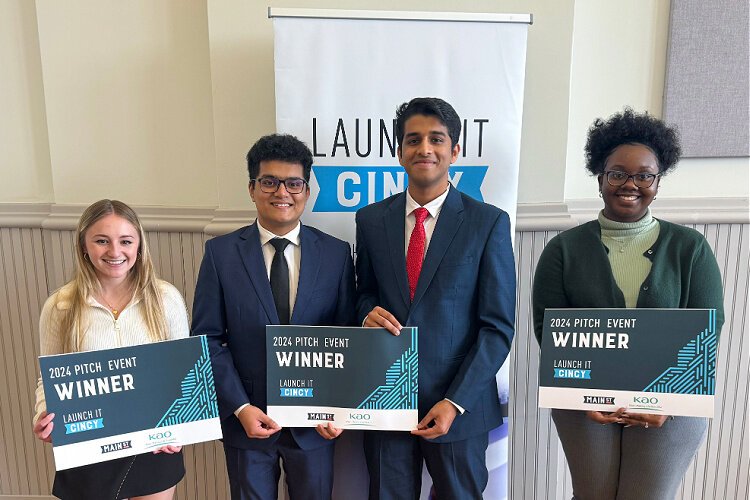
(650, 251)
(645, 287)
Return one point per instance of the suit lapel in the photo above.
(252, 258)
(308, 272)
(450, 219)
(394, 221)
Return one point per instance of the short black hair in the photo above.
(630, 127)
(279, 147)
(429, 106)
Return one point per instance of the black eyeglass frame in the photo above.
(279, 182)
(637, 182)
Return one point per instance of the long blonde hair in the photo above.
(84, 284)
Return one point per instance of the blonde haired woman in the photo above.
(114, 300)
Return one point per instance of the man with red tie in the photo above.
(435, 258)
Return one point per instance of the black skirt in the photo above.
(121, 478)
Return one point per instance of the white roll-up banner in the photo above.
(338, 84)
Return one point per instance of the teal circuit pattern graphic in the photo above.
(198, 400)
(695, 372)
(401, 383)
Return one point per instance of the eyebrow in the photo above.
(107, 236)
(431, 132)
(622, 167)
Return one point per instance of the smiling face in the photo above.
(111, 244)
(628, 203)
(426, 153)
(279, 212)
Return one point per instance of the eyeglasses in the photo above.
(617, 178)
(293, 185)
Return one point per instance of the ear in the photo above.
(600, 179)
(454, 152)
(251, 190)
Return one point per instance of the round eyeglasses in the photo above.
(293, 185)
(617, 178)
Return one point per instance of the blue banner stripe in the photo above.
(349, 188)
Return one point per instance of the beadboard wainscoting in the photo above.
(36, 258)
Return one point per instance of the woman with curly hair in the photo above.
(627, 258)
(114, 300)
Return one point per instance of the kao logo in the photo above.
(158, 436)
(644, 400)
(360, 416)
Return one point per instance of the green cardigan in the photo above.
(574, 271)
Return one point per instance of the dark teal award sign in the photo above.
(120, 402)
(660, 361)
(361, 378)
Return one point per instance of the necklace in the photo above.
(623, 242)
(114, 308)
(624, 237)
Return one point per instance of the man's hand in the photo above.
(257, 424)
(43, 427)
(328, 431)
(379, 317)
(437, 422)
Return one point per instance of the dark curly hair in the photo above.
(630, 127)
(429, 106)
(280, 147)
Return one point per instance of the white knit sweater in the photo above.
(102, 330)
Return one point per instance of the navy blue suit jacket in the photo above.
(464, 304)
(233, 304)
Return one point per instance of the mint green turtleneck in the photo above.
(627, 242)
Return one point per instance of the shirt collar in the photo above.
(433, 207)
(266, 235)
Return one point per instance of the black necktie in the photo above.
(280, 280)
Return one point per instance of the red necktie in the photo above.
(415, 252)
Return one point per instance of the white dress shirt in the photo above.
(433, 208)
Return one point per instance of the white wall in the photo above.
(25, 161)
(619, 57)
(157, 102)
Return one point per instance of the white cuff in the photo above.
(238, 410)
(458, 407)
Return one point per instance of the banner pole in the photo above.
(397, 15)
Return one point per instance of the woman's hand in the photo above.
(43, 427)
(604, 417)
(170, 449)
(644, 420)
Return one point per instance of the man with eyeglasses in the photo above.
(275, 271)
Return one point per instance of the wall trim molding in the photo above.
(529, 216)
